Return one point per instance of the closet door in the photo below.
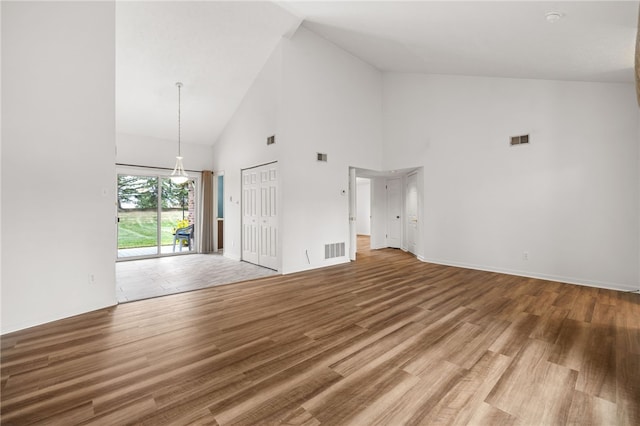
(250, 217)
(268, 255)
(260, 215)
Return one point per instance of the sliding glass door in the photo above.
(155, 216)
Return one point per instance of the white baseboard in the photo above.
(548, 277)
(328, 262)
(231, 256)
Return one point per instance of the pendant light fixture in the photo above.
(178, 175)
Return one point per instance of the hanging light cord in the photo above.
(179, 176)
(179, 124)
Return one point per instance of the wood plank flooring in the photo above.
(384, 340)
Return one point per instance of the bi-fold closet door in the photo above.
(260, 215)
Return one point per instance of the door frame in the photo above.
(160, 173)
(353, 206)
(216, 216)
(379, 205)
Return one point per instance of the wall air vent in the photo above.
(519, 140)
(321, 157)
(333, 250)
(271, 140)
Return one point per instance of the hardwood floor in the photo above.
(384, 340)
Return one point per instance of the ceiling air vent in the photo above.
(271, 140)
(321, 157)
(519, 140)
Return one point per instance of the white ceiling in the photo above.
(217, 48)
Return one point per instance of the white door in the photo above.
(250, 218)
(394, 212)
(268, 255)
(412, 212)
(260, 215)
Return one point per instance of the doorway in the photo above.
(395, 209)
(260, 215)
(219, 212)
(363, 214)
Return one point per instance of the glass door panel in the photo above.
(177, 216)
(137, 216)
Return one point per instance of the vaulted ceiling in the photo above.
(218, 48)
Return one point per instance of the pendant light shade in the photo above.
(178, 175)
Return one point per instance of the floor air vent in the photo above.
(333, 250)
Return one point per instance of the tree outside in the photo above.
(137, 209)
(141, 192)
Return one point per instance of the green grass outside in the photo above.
(138, 228)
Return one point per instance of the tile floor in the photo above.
(146, 278)
(150, 251)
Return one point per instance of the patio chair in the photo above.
(183, 234)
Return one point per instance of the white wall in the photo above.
(363, 206)
(331, 104)
(153, 152)
(243, 144)
(58, 155)
(569, 199)
(315, 98)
